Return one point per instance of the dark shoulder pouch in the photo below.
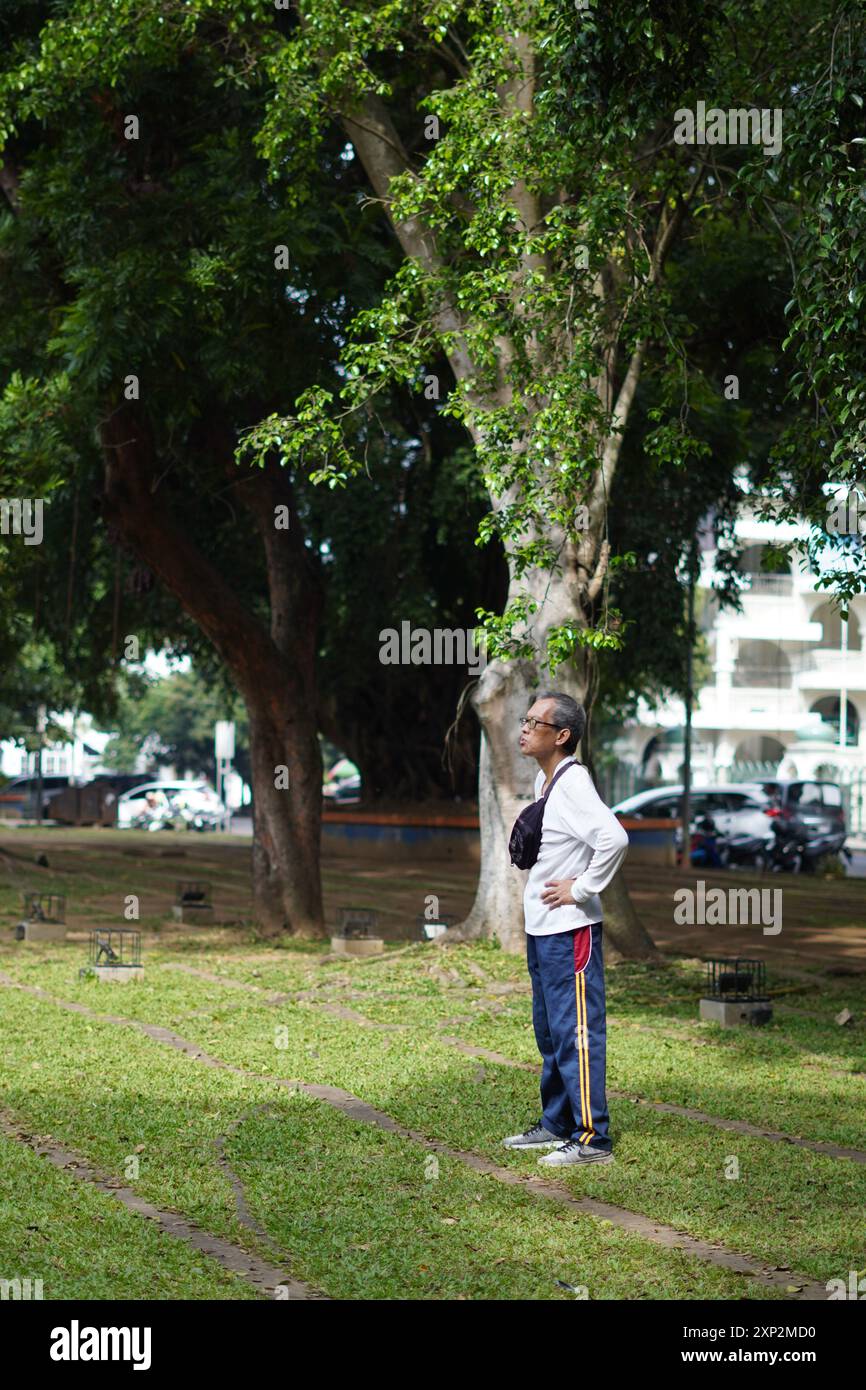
(525, 839)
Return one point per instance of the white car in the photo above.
(737, 808)
(197, 797)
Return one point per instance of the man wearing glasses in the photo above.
(582, 846)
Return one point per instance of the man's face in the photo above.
(541, 741)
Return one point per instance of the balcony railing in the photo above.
(763, 677)
(772, 584)
(832, 657)
(829, 660)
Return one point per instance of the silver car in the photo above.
(737, 808)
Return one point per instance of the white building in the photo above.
(80, 757)
(783, 670)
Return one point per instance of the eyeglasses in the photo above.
(532, 723)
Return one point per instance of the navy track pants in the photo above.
(568, 1014)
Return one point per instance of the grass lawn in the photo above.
(83, 1245)
(357, 1211)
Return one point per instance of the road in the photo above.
(857, 867)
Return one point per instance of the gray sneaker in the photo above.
(575, 1152)
(535, 1138)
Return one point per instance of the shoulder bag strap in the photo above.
(556, 776)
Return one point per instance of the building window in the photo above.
(760, 581)
(762, 664)
(831, 628)
(829, 709)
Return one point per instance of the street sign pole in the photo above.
(224, 751)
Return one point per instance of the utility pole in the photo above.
(41, 721)
(687, 746)
(843, 691)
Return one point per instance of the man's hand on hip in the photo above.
(557, 892)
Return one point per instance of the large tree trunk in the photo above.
(274, 670)
(505, 783)
(286, 820)
(283, 708)
(625, 936)
(506, 778)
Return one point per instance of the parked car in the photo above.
(188, 800)
(346, 789)
(735, 808)
(774, 811)
(18, 797)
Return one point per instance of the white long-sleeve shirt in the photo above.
(582, 839)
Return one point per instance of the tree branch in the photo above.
(669, 225)
(593, 588)
(9, 182)
(131, 504)
(372, 132)
(294, 580)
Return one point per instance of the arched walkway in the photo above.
(829, 707)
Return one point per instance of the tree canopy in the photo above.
(531, 275)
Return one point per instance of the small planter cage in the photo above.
(427, 929)
(356, 923)
(737, 981)
(116, 947)
(44, 907)
(192, 893)
(356, 932)
(193, 902)
(44, 917)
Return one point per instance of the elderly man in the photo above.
(582, 846)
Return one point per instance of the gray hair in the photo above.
(568, 714)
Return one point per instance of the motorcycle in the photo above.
(713, 850)
(802, 853)
(749, 851)
(709, 849)
(780, 852)
(199, 820)
(154, 818)
(172, 813)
